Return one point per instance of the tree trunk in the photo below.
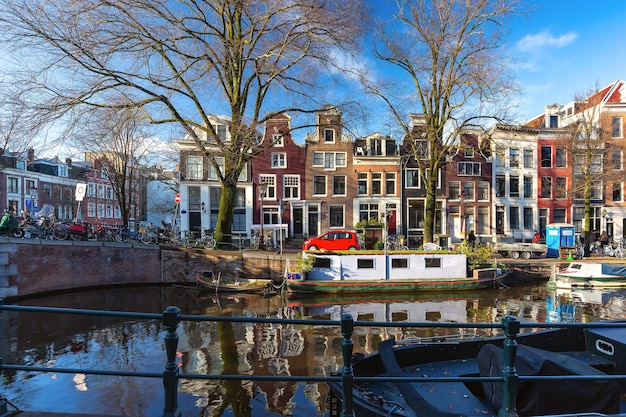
(224, 226)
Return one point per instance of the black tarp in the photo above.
(549, 396)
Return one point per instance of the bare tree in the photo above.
(592, 154)
(450, 51)
(119, 142)
(182, 61)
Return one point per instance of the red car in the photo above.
(334, 240)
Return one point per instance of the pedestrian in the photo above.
(471, 238)
(604, 239)
(536, 237)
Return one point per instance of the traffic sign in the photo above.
(177, 199)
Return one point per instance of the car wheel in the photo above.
(526, 255)
(515, 255)
(352, 248)
(312, 247)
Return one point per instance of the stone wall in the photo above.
(33, 266)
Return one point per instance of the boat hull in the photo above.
(233, 285)
(459, 359)
(396, 285)
(589, 275)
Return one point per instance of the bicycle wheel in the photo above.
(619, 254)
(210, 242)
(60, 232)
(148, 238)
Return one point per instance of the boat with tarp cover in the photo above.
(589, 275)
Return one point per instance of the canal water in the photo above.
(53, 340)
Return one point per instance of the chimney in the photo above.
(68, 162)
(31, 156)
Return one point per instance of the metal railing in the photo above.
(171, 374)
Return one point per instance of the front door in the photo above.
(297, 222)
(313, 228)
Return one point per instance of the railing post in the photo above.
(347, 376)
(509, 373)
(4, 412)
(171, 317)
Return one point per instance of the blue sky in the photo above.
(566, 47)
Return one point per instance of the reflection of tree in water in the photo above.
(236, 395)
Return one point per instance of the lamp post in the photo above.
(262, 191)
(604, 214)
(33, 198)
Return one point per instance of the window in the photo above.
(368, 211)
(278, 140)
(482, 220)
(559, 215)
(339, 185)
(617, 191)
(100, 191)
(279, 160)
(30, 187)
(377, 186)
(329, 160)
(91, 189)
(329, 135)
(270, 182)
(239, 220)
(422, 149)
(91, 209)
(47, 191)
(213, 173)
(514, 217)
(412, 177)
(454, 190)
(270, 215)
(432, 262)
(118, 212)
(483, 191)
(468, 168)
(13, 185)
(364, 263)
(616, 127)
(390, 183)
(291, 187)
(240, 197)
(500, 185)
(101, 209)
(469, 153)
(554, 122)
(109, 211)
(104, 173)
(561, 187)
(109, 192)
(528, 218)
(319, 185)
(514, 186)
(399, 263)
(362, 183)
(194, 168)
(616, 159)
(546, 157)
(528, 187)
(335, 216)
(546, 187)
(596, 190)
(561, 160)
(468, 190)
(529, 157)
(376, 147)
(513, 157)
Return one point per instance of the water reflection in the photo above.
(229, 348)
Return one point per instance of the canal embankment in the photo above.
(34, 266)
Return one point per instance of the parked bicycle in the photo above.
(200, 240)
(393, 243)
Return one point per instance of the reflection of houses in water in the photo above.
(575, 305)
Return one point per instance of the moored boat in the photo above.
(449, 378)
(223, 284)
(589, 275)
(404, 271)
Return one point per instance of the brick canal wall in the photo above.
(33, 266)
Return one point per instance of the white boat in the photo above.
(400, 272)
(589, 275)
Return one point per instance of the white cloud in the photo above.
(545, 39)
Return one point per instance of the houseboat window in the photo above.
(432, 262)
(397, 263)
(321, 263)
(365, 264)
(397, 316)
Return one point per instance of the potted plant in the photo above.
(300, 266)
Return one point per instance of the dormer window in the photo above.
(554, 122)
(376, 147)
(62, 171)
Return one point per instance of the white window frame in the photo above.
(279, 160)
(291, 182)
(196, 172)
(270, 182)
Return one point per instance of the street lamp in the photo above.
(262, 191)
(33, 198)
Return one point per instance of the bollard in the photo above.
(347, 376)
(509, 373)
(171, 317)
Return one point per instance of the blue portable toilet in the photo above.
(558, 235)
